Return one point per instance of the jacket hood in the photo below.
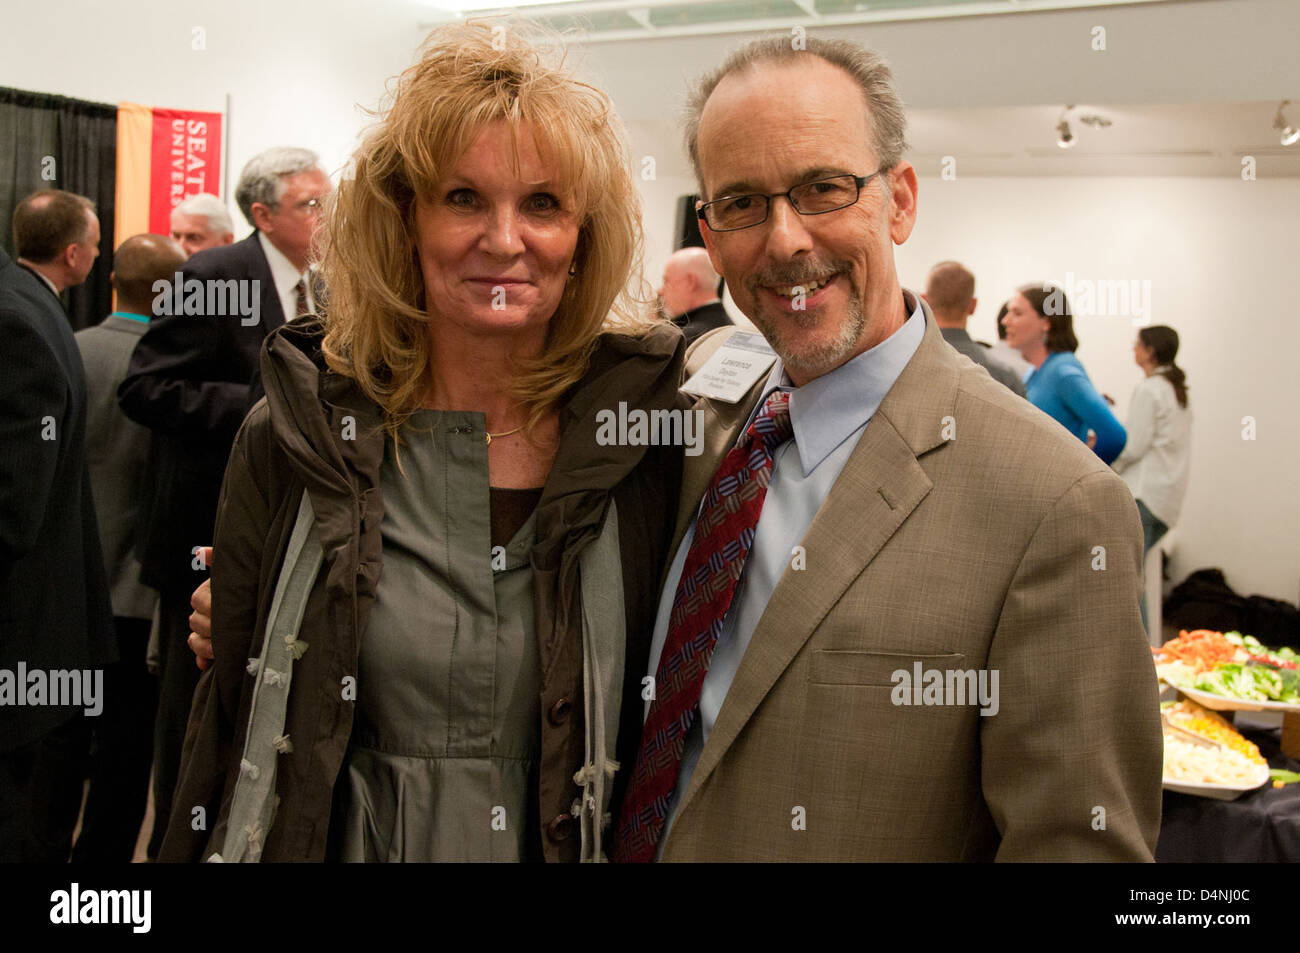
(642, 371)
(333, 434)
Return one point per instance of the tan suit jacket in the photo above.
(967, 531)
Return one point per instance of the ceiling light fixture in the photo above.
(1064, 137)
(1288, 133)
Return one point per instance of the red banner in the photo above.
(185, 160)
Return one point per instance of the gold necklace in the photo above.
(507, 433)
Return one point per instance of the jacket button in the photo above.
(560, 827)
(559, 712)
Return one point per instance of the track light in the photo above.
(1288, 133)
(1064, 137)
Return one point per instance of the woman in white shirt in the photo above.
(1154, 463)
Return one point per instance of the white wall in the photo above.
(295, 70)
(1218, 253)
(1220, 256)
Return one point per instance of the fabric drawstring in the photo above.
(295, 645)
(282, 744)
(247, 767)
(254, 843)
(593, 780)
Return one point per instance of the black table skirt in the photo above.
(1260, 827)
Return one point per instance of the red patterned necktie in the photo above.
(724, 534)
(303, 308)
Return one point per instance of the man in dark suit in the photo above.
(117, 449)
(190, 382)
(689, 293)
(54, 607)
(950, 293)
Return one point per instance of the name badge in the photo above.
(733, 368)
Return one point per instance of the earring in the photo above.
(573, 268)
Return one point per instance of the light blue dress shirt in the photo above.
(828, 416)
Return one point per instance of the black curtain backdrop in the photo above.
(55, 142)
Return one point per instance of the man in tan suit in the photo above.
(933, 651)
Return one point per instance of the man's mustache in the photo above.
(796, 273)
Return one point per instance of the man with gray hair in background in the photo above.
(950, 293)
(200, 222)
(190, 382)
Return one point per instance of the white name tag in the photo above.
(733, 368)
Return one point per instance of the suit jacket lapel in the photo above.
(879, 487)
(260, 268)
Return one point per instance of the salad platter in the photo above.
(1228, 671)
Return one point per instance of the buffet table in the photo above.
(1261, 826)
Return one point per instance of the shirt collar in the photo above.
(828, 410)
(130, 316)
(956, 334)
(686, 316)
(283, 273)
(1034, 370)
(49, 284)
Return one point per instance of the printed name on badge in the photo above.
(733, 368)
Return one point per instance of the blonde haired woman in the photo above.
(431, 653)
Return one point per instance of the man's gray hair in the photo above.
(207, 206)
(263, 177)
(868, 69)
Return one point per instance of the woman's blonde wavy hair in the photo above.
(469, 75)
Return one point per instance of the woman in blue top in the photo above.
(1040, 327)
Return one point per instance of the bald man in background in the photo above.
(117, 449)
(200, 222)
(950, 292)
(689, 293)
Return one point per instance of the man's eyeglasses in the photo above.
(812, 198)
(310, 206)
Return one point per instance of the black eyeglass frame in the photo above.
(859, 180)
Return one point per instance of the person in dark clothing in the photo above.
(449, 404)
(56, 623)
(689, 294)
(117, 448)
(950, 292)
